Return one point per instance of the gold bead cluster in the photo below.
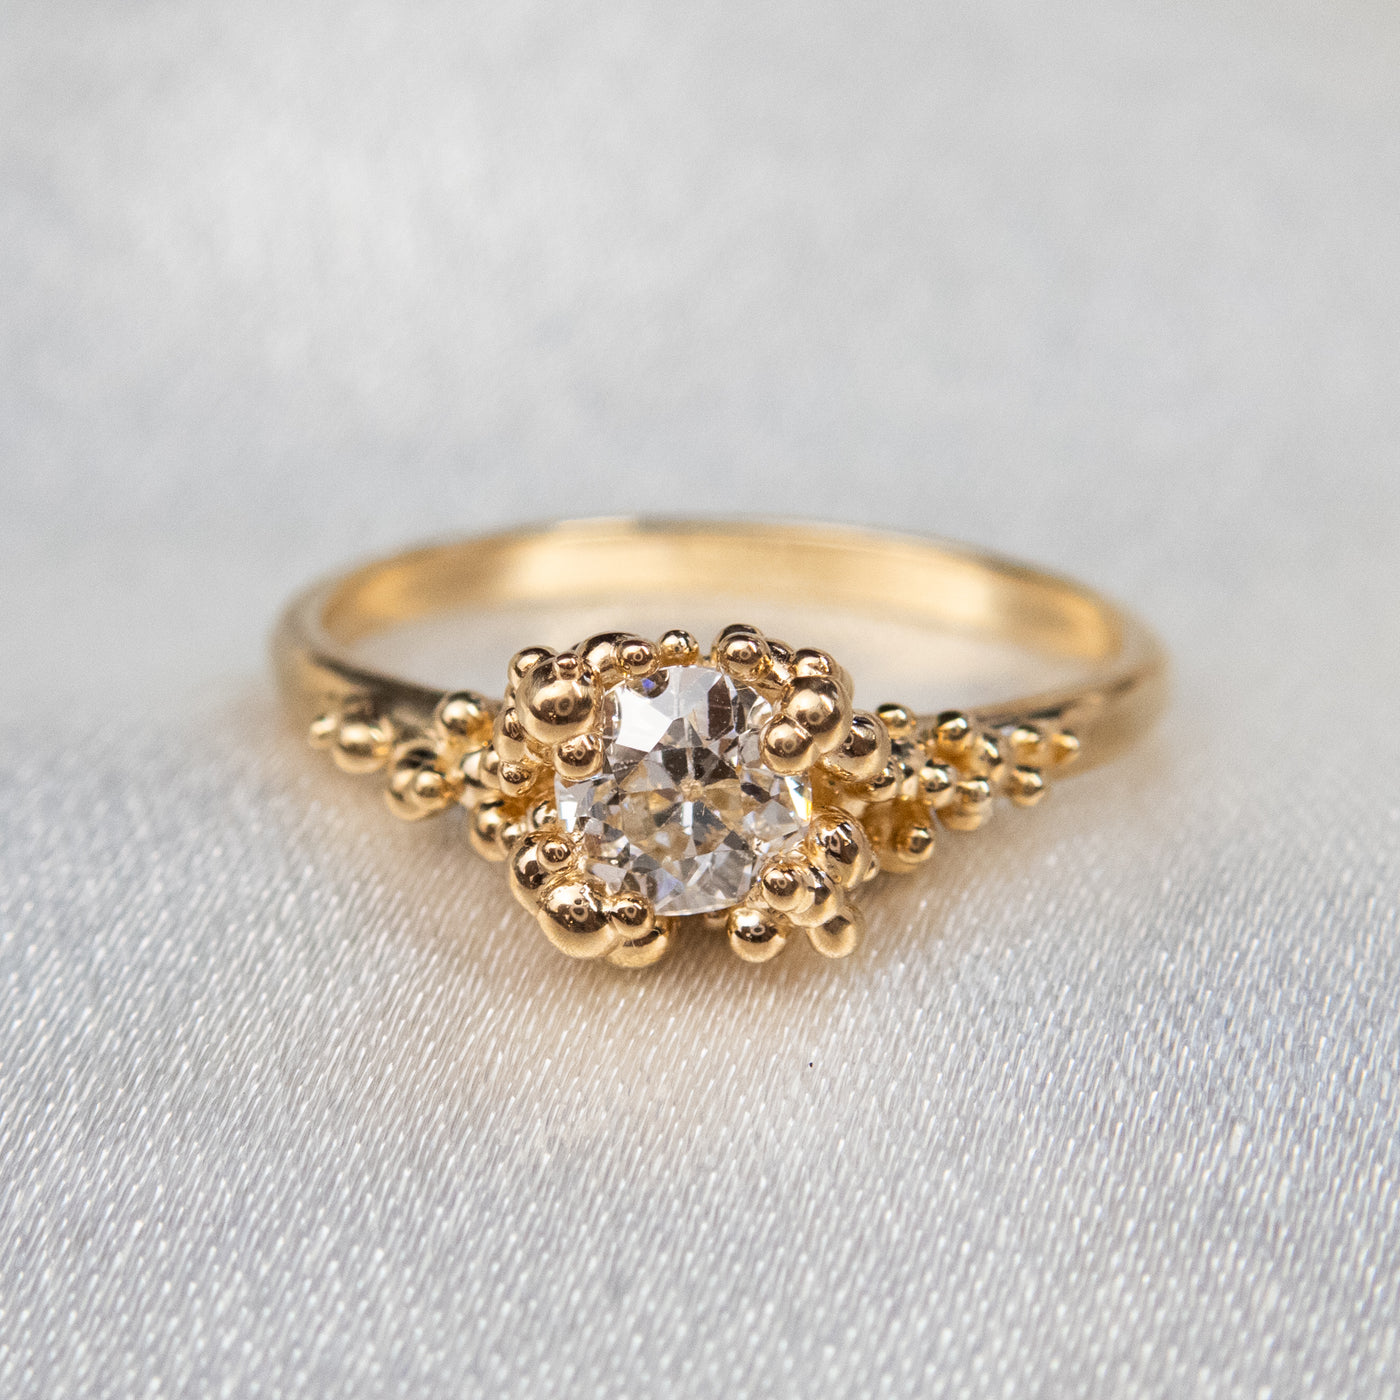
(881, 784)
(427, 767)
(950, 773)
(550, 724)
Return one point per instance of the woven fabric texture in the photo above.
(293, 1103)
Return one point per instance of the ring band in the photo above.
(629, 783)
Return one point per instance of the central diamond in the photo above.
(684, 810)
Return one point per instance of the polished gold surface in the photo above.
(882, 781)
(886, 575)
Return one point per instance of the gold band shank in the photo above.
(922, 581)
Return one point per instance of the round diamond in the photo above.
(684, 810)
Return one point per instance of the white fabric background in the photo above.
(292, 1103)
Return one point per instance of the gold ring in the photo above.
(630, 783)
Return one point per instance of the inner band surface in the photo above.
(885, 575)
(924, 582)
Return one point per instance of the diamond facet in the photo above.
(684, 810)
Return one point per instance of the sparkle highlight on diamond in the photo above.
(683, 810)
